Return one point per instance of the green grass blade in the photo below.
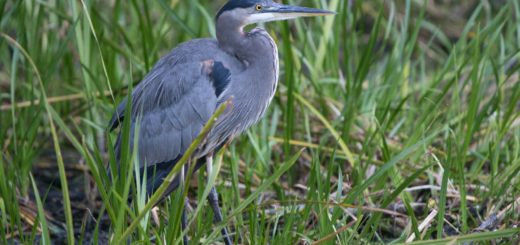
(46, 238)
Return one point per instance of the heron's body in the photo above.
(171, 105)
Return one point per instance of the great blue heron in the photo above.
(175, 100)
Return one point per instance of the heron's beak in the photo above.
(275, 11)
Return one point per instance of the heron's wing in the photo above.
(171, 106)
(173, 113)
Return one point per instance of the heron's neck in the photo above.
(234, 40)
(230, 35)
(256, 49)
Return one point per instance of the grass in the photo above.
(393, 122)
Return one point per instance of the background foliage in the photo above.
(394, 121)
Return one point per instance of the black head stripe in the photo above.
(233, 4)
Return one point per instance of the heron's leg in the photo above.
(155, 216)
(184, 220)
(213, 202)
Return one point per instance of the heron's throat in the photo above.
(230, 35)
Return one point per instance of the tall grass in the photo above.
(388, 126)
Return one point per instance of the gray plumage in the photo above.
(175, 100)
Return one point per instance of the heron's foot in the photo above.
(217, 214)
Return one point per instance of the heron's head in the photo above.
(256, 11)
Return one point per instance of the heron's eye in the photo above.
(258, 7)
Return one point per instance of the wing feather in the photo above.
(168, 121)
(171, 106)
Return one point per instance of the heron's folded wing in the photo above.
(172, 111)
(171, 106)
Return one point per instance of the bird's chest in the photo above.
(249, 107)
(250, 100)
(241, 114)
